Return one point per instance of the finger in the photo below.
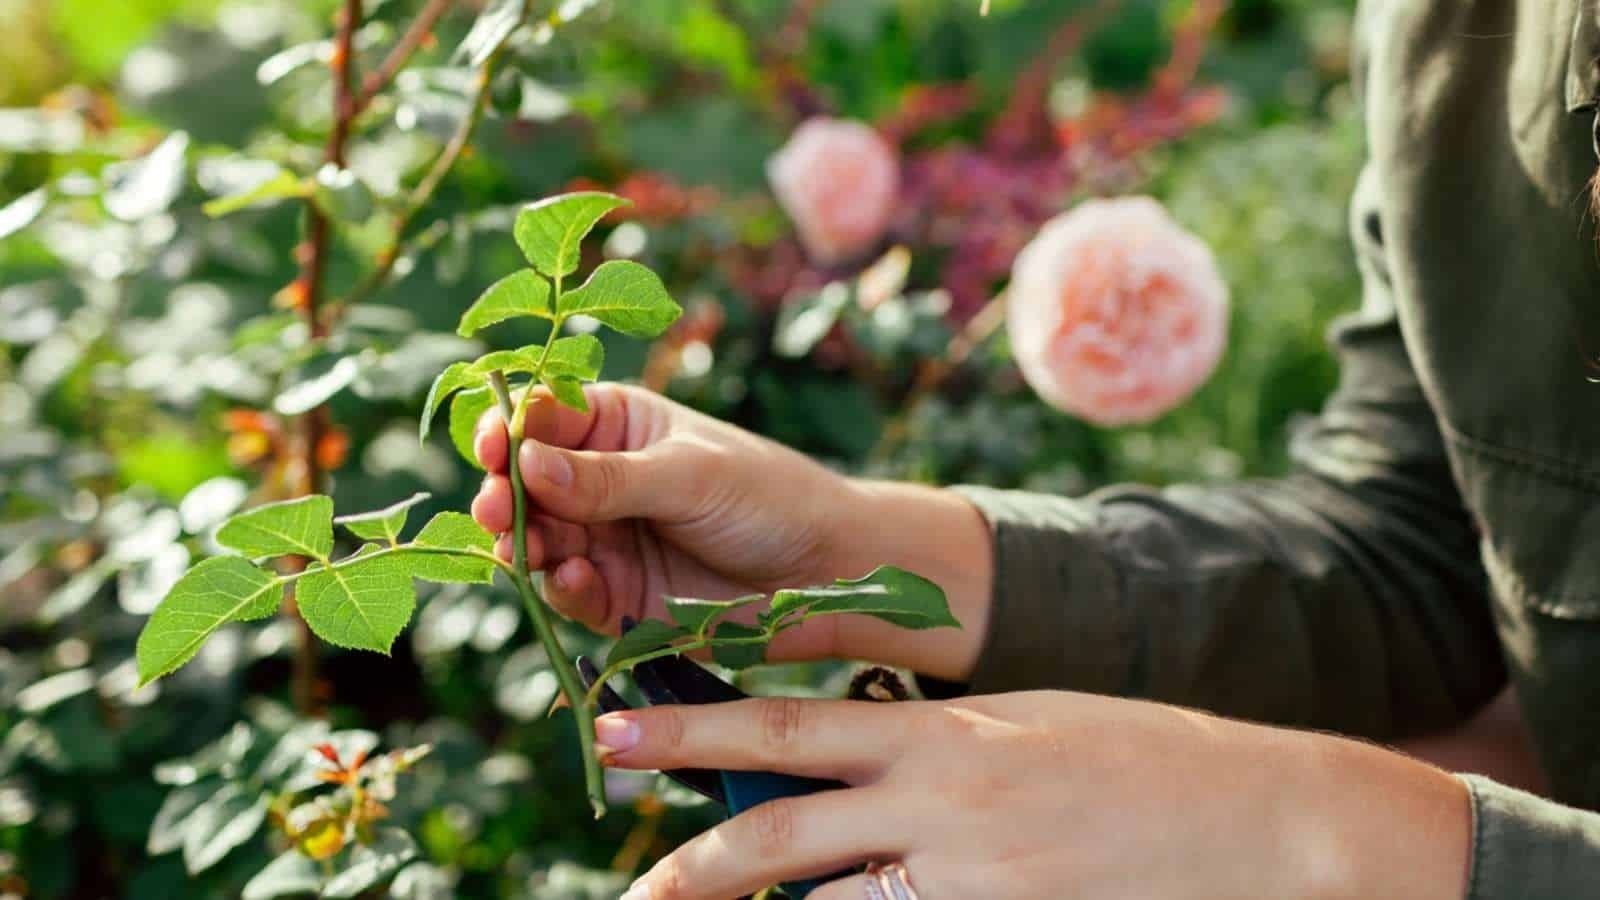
(850, 740)
(535, 549)
(606, 426)
(589, 486)
(575, 590)
(491, 508)
(786, 839)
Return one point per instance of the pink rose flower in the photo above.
(1116, 313)
(839, 182)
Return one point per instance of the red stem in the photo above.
(313, 254)
(380, 77)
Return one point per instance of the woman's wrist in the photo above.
(935, 533)
(1369, 822)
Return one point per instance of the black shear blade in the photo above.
(706, 782)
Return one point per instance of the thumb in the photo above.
(588, 486)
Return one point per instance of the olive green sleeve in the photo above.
(1528, 848)
(1348, 595)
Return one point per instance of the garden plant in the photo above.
(250, 250)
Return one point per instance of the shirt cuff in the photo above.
(1058, 617)
(1527, 848)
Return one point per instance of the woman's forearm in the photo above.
(936, 533)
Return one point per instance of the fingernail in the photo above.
(639, 891)
(551, 465)
(615, 735)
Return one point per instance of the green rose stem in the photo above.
(566, 673)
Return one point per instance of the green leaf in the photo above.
(215, 592)
(171, 824)
(452, 379)
(891, 594)
(492, 27)
(292, 874)
(580, 356)
(20, 213)
(341, 195)
(313, 384)
(372, 864)
(231, 817)
(383, 524)
(737, 656)
(360, 604)
(522, 359)
(648, 636)
(626, 296)
(468, 408)
(303, 527)
(695, 615)
(521, 293)
(551, 231)
(567, 391)
(281, 186)
(144, 187)
(451, 531)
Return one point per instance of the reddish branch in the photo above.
(313, 256)
(1024, 125)
(400, 54)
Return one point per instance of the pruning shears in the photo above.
(677, 679)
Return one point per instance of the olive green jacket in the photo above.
(1442, 527)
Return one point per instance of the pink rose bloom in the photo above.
(1116, 314)
(839, 182)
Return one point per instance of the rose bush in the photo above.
(1116, 313)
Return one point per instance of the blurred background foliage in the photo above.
(155, 361)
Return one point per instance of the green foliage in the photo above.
(137, 332)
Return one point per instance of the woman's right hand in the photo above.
(642, 497)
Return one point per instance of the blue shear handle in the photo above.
(746, 789)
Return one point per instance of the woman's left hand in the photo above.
(1048, 795)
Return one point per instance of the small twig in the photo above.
(400, 54)
(423, 192)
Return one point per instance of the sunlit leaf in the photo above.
(382, 524)
(281, 186)
(371, 864)
(231, 817)
(551, 232)
(579, 356)
(141, 188)
(523, 359)
(171, 824)
(316, 383)
(626, 296)
(888, 593)
(803, 324)
(292, 874)
(451, 531)
(303, 527)
(362, 604)
(468, 408)
(452, 379)
(522, 293)
(695, 615)
(219, 590)
(567, 391)
(341, 195)
(490, 30)
(290, 59)
(647, 636)
(20, 213)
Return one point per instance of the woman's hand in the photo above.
(1049, 795)
(643, 497)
